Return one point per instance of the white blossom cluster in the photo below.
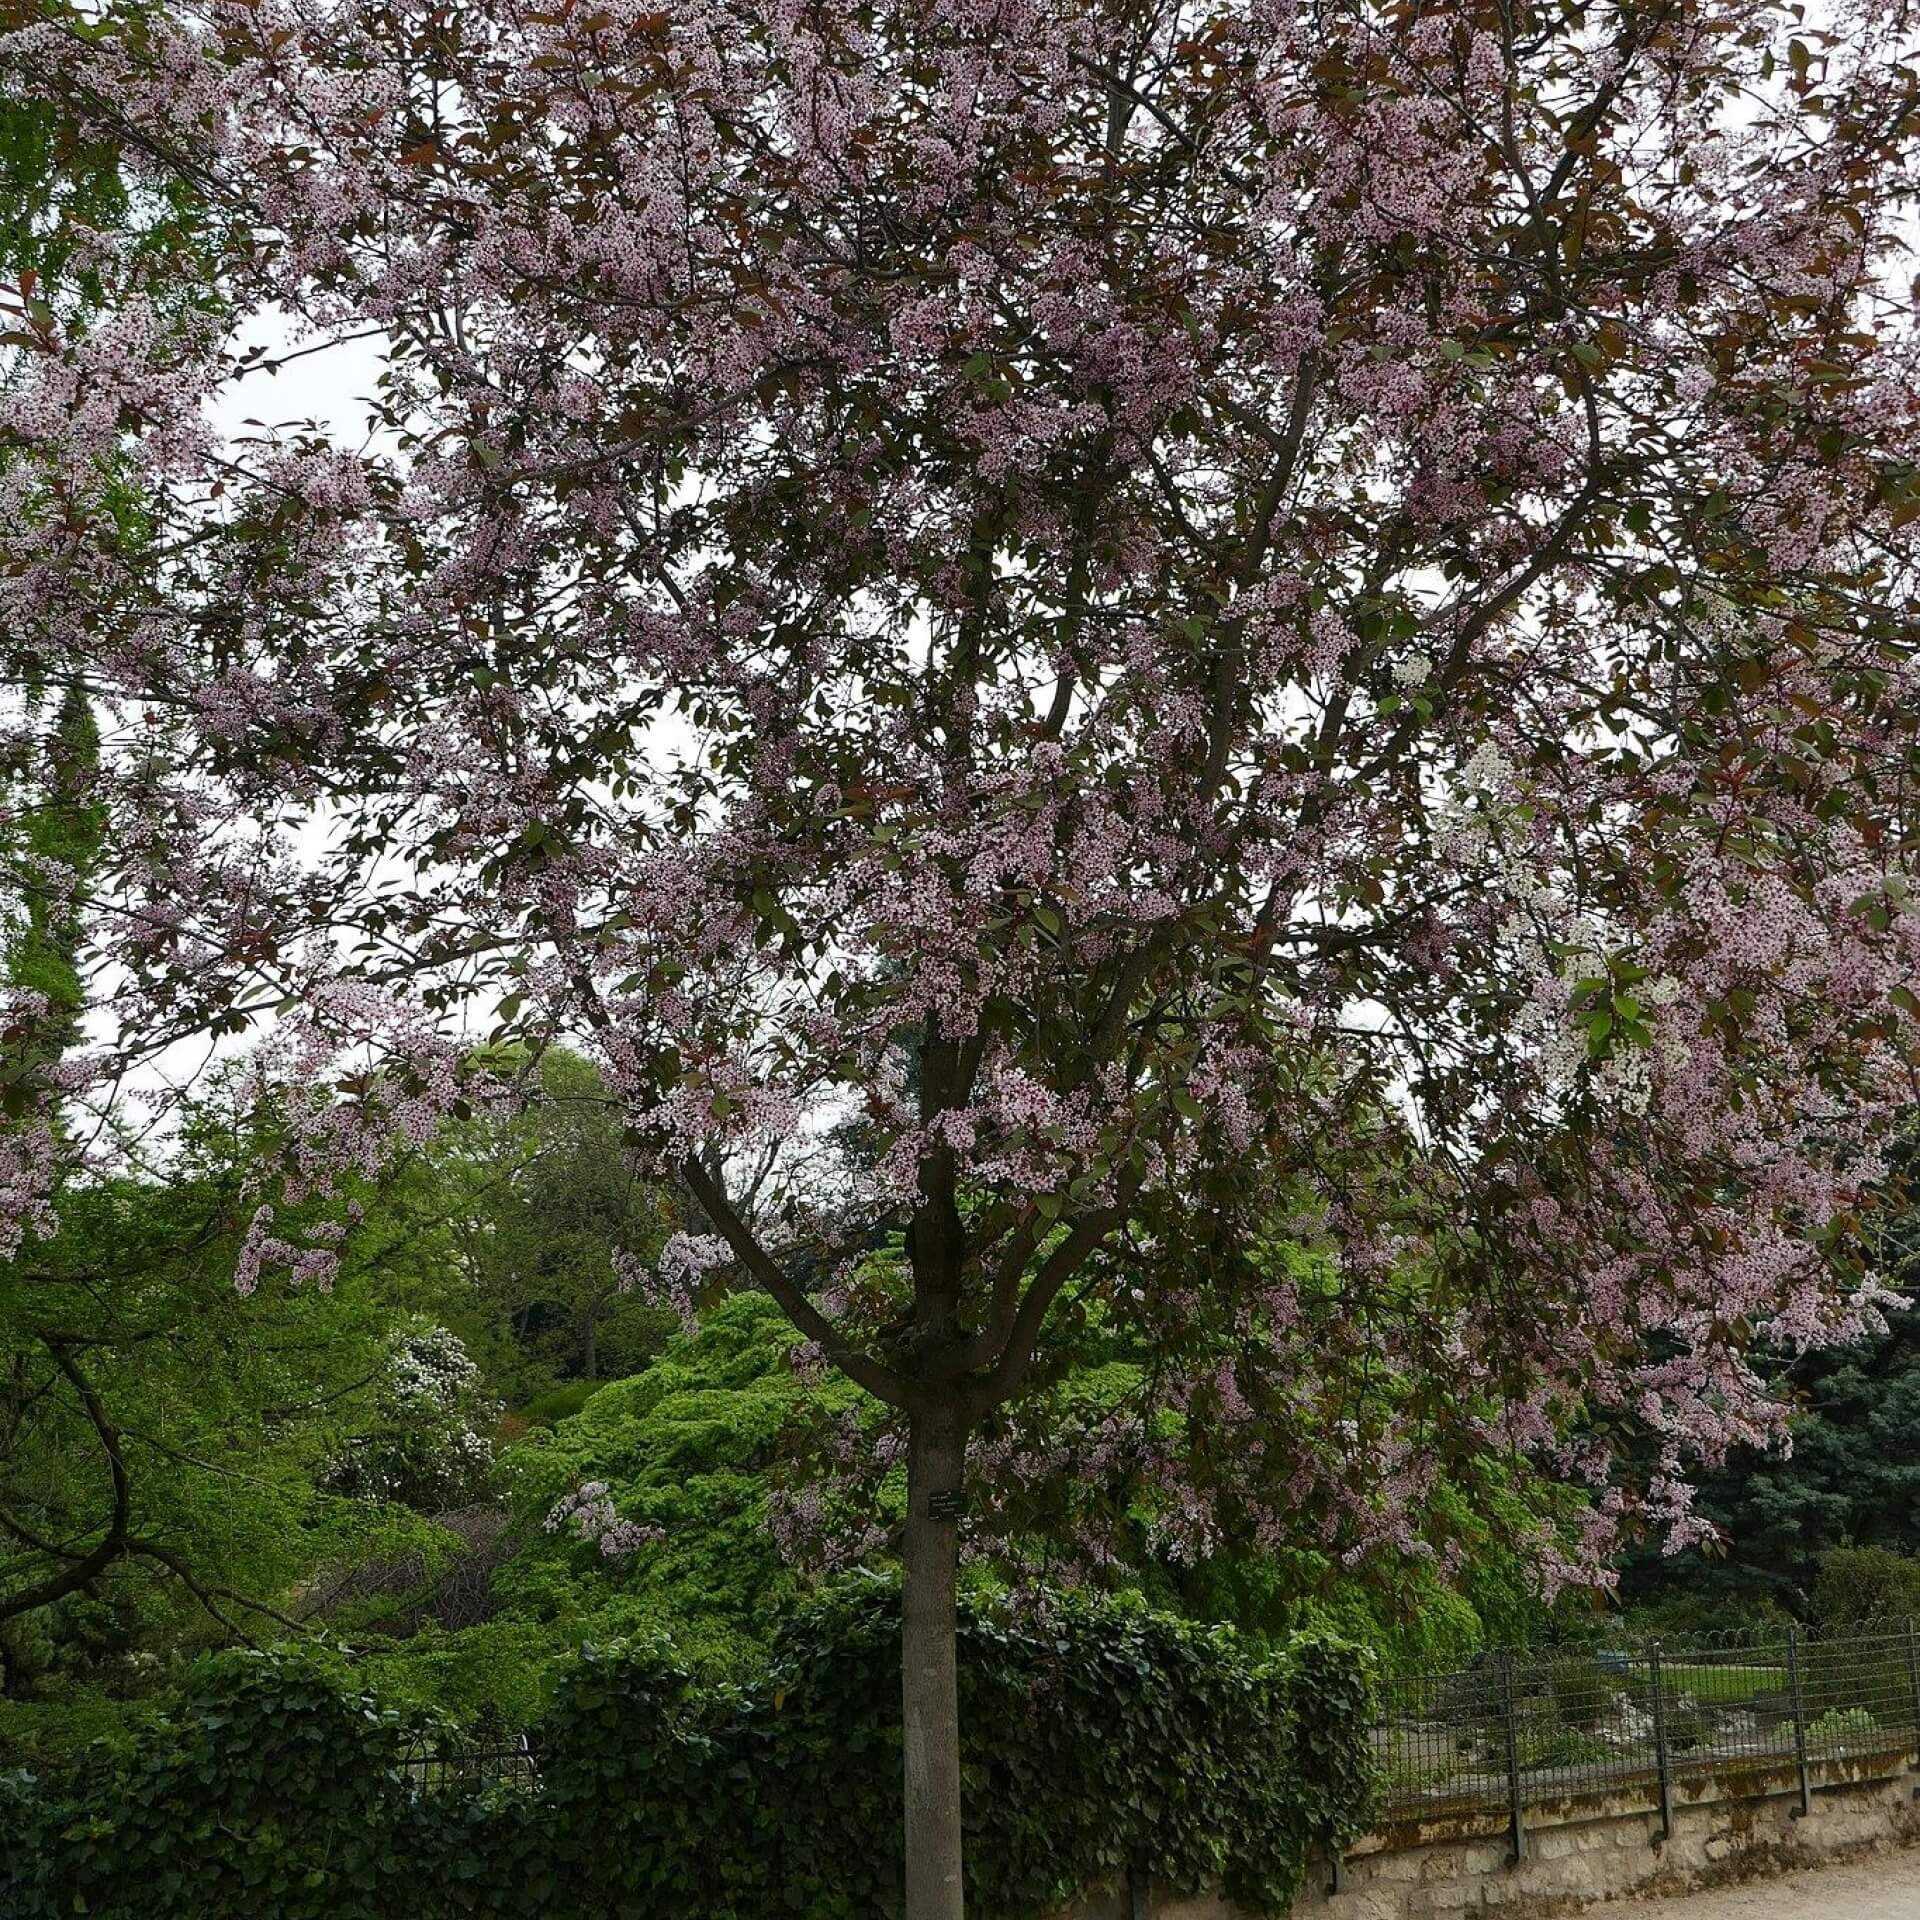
(431, 1368)
(431, 1447)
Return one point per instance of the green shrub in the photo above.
(1860, 1588)
(1858, 1584)
(1585, 1690)
(505, 1670)
(1563, 1747)
(691, 1447)
(1713, 1611)
(39, 1734)
(1095, 1732)
(274, 1790)
(1687, 1729)
(1838, 1723)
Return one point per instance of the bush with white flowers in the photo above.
(429, 1444)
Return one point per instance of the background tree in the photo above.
(544, 1202)
(1851, 1476)
(1318, 604)
(167, 1447)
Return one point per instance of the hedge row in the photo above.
(1096, 1735)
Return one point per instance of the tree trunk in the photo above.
(929, 1691)
(590, 1350)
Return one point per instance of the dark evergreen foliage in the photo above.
(1098, 1736)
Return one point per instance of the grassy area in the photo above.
(1717, 1683)
(559, 1403)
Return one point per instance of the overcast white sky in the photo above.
(329, 386)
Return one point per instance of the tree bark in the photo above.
(929, 1688)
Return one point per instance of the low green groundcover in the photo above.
(1097, 1735)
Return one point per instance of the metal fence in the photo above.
(1521, 1729)
(494, 1759)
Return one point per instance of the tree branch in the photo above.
(988, 1390)
(861, 1368)
(85, 1568)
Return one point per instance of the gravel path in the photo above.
(1885, 1888)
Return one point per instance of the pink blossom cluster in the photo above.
(590, 1511)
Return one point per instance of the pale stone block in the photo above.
(1556, 1844)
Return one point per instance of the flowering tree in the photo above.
(1204, 615)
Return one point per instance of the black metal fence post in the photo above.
(1516, 1806)
(1798, 1695)
(1662, 1759)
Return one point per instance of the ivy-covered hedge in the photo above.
(1096, 1735)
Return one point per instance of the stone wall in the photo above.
(1597, 1847)
(1587, 1849)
